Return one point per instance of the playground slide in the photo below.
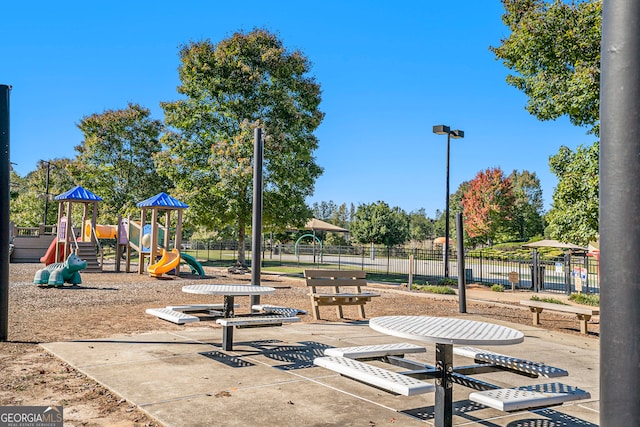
(167, 262)
(50, 256)
(196, 267)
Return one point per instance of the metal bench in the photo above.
(583, 313)
(514, 363)
(374, 351)
(528, 397)
(276, 309)
(172, 315)
(246, 321)
(179, 313)
(375, 376)
(249, 321)
(335, 280)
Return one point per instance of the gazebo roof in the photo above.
(78, 193)
(162, 200)
(316, 224)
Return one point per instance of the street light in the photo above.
(455, 134)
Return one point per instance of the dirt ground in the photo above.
(110, 303)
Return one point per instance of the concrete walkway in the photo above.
(185, 379)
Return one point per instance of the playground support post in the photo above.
(619, 206)
(256, 231)
(5, 166)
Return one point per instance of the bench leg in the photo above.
(361, 308)
(536, 314)
(316, 309)
(584, 318)
(339, 311)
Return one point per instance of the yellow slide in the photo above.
(167, 262)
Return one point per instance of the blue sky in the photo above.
(389, 71)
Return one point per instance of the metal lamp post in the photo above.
(455, 134)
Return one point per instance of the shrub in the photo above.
(445, 290)
(497, 288)
(448, 282)
(586, 299)
(547, 299)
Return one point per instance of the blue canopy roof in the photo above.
(162, 200)
(78, 193)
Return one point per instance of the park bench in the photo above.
(327, 289)
(583, 313)
(381, 378)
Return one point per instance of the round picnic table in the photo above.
(445, 332)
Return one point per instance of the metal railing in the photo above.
(562, 275)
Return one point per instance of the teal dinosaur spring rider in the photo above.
(58, 274)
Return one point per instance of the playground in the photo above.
(154, 240)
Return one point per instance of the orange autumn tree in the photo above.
(488, 207)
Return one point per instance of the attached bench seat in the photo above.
(276, 309)
(261, 320)
(528, 397)
(374, 351)
(327, 289)
(583, 313)
(179, 313)
(172, 315)
(514, 363)
(375, 376)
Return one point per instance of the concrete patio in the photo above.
(185, 379)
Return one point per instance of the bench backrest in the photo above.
(335, 278)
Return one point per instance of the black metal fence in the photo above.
(565, 274)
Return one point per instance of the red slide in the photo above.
(50, 256)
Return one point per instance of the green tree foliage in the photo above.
(377, 223)
(554, 50)
(527, 218)
(573, 216)
(420, 226)
(116, 159)
(229, 88)
(29, 193)
(488, 207)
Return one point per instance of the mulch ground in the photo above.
(110, 303)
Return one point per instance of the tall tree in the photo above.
(377, 223)
(554, 50)
(488, 206)
(573, 216)
(527, 216)
(229, 88)
(28, 201)
(116, 158)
